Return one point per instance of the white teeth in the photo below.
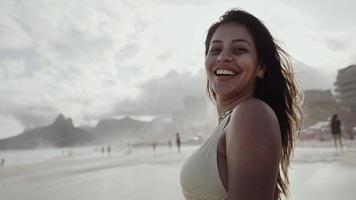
(224, 72)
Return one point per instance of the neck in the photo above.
(224, 105)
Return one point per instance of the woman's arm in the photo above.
(253, 147)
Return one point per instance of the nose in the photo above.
(225, 57)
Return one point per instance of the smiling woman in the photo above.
(231, 62)
(250, 79)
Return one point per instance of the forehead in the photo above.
(231, 31)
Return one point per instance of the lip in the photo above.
(224, 78)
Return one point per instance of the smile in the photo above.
(224, 72)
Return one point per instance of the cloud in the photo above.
(12, 33)
(353, 59)
(329, 14)
(114, 57)
(12, 68)
(168, 2)
(9, 126)
(337, 44)
(35, 115)
(164, 56)
(163, 95)
(61, 57)
(77, 46)
(128, 51)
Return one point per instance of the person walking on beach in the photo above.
(154, 145)
(178, 142)
(108, 150)
(169, 143)
(102, 150)
(2, 162)
(128, 146)
(250, 80)
(335, 126)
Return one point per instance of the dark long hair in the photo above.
(277, 88)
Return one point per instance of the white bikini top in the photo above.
(199, 177)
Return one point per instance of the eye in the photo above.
(214, 50)
(239, 50)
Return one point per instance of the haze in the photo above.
(100, 59)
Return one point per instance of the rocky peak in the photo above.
(62, 121)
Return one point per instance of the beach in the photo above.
(317, 171)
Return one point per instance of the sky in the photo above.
(103, 59)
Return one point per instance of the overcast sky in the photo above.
(108, 58)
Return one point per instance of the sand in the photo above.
(317, 172)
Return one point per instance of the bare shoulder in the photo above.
(253, 149)
(254, 108)
(253, 122)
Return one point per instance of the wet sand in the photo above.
(317, 172)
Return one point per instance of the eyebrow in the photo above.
(234, 40)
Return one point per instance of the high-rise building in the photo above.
(195, 107)
(318, 106)
(192, 116)
(312, 97)
(346, 86)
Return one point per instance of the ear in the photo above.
(261, 70)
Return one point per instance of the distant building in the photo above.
(192, 119)
(346, 86)
(195, 107)
(318, 105)
(193, 112)
(318, 97)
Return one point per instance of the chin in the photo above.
(226, 94)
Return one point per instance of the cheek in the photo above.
(249, 65)
(206, 63)
(209, 63)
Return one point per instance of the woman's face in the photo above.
(231, 63)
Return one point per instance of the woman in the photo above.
(250, 79)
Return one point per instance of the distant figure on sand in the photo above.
(335, 125)
(109, 150)
(128, 145)
(154, 145)
(169, 143)
(178, 142)
(2, 162)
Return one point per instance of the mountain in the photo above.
(312, 77)
(122, 129)
(127, 128)
(61, 133)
